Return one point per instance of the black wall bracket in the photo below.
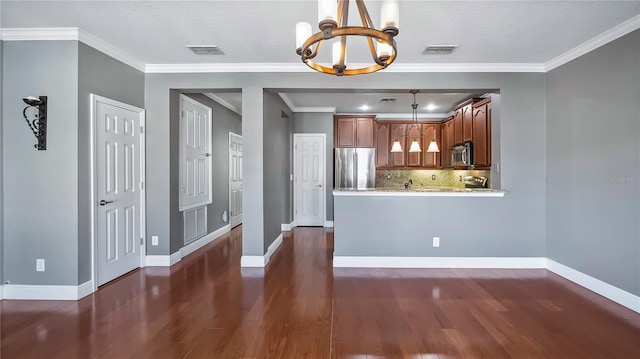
(39, 124)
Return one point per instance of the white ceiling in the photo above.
(262, 31)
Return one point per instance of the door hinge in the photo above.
(141, 130)
(141, 241)
(141, 185)
(182, 113)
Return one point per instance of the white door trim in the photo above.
(94, 99)
(296, 136)
(183, 207)
(229, 174)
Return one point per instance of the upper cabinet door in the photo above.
(457, 127)
(481, 135)
(383, 146)
(431, 132)
(414, 159)
(364, 132)
(398, 159)
(467, 123)
(345, 131)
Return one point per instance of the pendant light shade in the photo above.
(415, 146)
(433, 147)
(396, 147)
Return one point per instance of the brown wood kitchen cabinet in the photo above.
(414, 159)
(482, 134)
(457, 126)
(398, 132)
(431, 131)
(383, 144)
(447, 141)
(467, 123)
(354, 131)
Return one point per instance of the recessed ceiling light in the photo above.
(205, 49)
(430, 107)
(365, 107)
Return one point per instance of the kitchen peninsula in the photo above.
(419, 198)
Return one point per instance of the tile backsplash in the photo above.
(424, 178)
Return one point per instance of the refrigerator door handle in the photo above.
(355, 169)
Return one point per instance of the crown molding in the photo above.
(298, 67)
(226, 67)
(315, 109)
(287, 101)
(223, 102)
(110, 50)
(73, 34)
(40, 34)
(590, 45)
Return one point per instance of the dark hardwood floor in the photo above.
(206, 306)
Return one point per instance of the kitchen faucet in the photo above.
(408, 184)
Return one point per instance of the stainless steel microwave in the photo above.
(462, 155)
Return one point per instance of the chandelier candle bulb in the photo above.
(384, 50)
(303, 31)
(327, 13)
(336, 54)
(390, 15)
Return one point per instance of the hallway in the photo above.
(206, 306)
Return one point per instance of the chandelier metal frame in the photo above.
(329, 30)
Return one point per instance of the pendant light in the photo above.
(415, 144)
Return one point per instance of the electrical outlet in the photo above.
(436, 241)
(39, 265)
(154, 240)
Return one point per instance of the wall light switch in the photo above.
(436, 241)
(154, 240)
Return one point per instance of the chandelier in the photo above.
(333, 12)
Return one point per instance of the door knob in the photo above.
(103, 202)
(207, 154)
(319, 186)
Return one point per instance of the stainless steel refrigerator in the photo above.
(355, 168)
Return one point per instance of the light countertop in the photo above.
(420, 192)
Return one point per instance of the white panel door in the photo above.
(235, 179)
(195, 154)
(117, 188)
(309, 184)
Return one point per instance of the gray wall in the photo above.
(40, 187)
(1, 181)
(101, 75)
(223, 122)
(593, 163)
(277, 166)
(405, 226)
(306, 122)
(522, 137)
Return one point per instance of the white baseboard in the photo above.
(47, 292)
(85, 289)
(328, 224)
(288, 227)
(606, 290)
(261, 261)
(169, 260)
(252, 261)
(272, 249)
(439, 262)
(1, 295)
(197, 244)
(158, 260)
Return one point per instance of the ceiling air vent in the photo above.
(439, 49)
(388, 100)
(205, 49)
